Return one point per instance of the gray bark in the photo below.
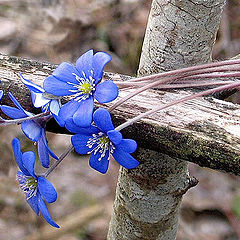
(179, 34)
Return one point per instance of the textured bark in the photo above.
(179, 34)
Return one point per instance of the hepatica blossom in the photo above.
(101, 141)
(37, 189)
(83, 84)
(39, 100)
(94, 132)
(33, 129)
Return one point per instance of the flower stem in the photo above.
(194, 84)
(198, 73)
(63, 155)
(191, 69)
(200, 94)
(5, 122)
(184, 78)
(141, 89)
(215, 75)
(172, 78)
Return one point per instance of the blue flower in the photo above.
(83, 83)
(102, 141)
(39, 100)
(33, 129)
(37, 189)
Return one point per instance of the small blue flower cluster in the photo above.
(36, 188)
(93, 131)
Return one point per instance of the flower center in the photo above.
(28, 185)
(31, 182)
(100, 143)
(86, 88)
(104, 140)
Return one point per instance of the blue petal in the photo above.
(43, 153)
(84, 64)
(18, 155)
(79, 143)
(54, 107)
(43, 209)
(106, 91)
(39, 100)
(1, 94)
(128, 145)
(114, 136)
(100, 59)
(67, 110)
(47, 190)
(83, 116)
(59, 120)
(65, 72)
(72, 127)
(99, 165)
(28, 159)
(15, 101)
(57, 87)
(44, 139)
(33, 202)
(31, 129)
(31, 86)
(13, 112)
(102, 119)
(124, 158)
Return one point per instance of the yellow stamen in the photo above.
(104, 140)
(32, 182)
(85, 88)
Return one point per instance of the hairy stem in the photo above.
(5, 122)
(63, 155)
(203, 68)
(158, 83)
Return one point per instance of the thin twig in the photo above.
(170, 79)
(204, 67)
(5, 122)
(63, 155)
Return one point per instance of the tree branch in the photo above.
(204, 131)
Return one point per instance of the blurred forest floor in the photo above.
(61, 30)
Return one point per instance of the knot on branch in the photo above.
(191, 182)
